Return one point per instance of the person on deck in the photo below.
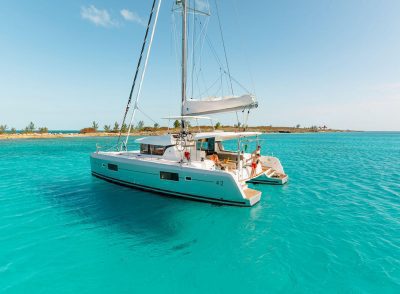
(214, 157)
(254, 164)
(257, 151)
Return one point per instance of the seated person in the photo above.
(214, 157)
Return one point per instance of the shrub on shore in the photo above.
(29, 128)
(87, 130)
(3, 129)
(43, 130)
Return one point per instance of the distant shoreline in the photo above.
(160, 131)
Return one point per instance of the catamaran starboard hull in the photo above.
(178, 180)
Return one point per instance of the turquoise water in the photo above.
(335, 227)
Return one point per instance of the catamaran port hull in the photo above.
(174, 179)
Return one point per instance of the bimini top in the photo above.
(165, 140)
(221, 136)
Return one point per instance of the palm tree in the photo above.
(107, 128)
(3, 129)
(177, 124)
(95, 126)
(140, 125)
(116, 127)
(31, 127)
(156, 126)
(124, 128)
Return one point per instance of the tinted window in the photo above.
(169, 176)
(113, 167)
(206, 145)
(157, 150)
(144, 148)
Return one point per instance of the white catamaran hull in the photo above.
(179, 180)
(273, 173)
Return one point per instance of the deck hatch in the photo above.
(113, 167)
(169, 176)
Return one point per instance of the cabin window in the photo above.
(200, 144)
(144, 148)
(157, 150)
(188, 178)
(169, 176)
(220, 146)
(113, 167)
(206, 145)
(152, 149)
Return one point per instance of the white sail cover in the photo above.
(219, 104)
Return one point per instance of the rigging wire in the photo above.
(143, 73)
(137, 69)
(147, 116)
(201, 39)
(244, 50)
(223, 45)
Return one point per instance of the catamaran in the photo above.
(190, 163)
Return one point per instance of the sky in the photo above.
(64, 64)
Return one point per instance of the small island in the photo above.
(31, 132)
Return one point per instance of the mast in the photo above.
(184, 49)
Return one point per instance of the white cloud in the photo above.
(100, 17)
(132, 16)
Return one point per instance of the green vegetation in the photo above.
(140, 125)
(218, 125)
(156, 126)
(116, 127)
(43, 130)
(124, 128)
(3, 129)
(95, 126)
(13, 131)
(30, 128)
(177, 124)
(107, 128)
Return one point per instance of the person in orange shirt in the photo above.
(214, 157)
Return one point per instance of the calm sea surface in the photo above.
(335, 227)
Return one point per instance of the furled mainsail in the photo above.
(219, 104)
